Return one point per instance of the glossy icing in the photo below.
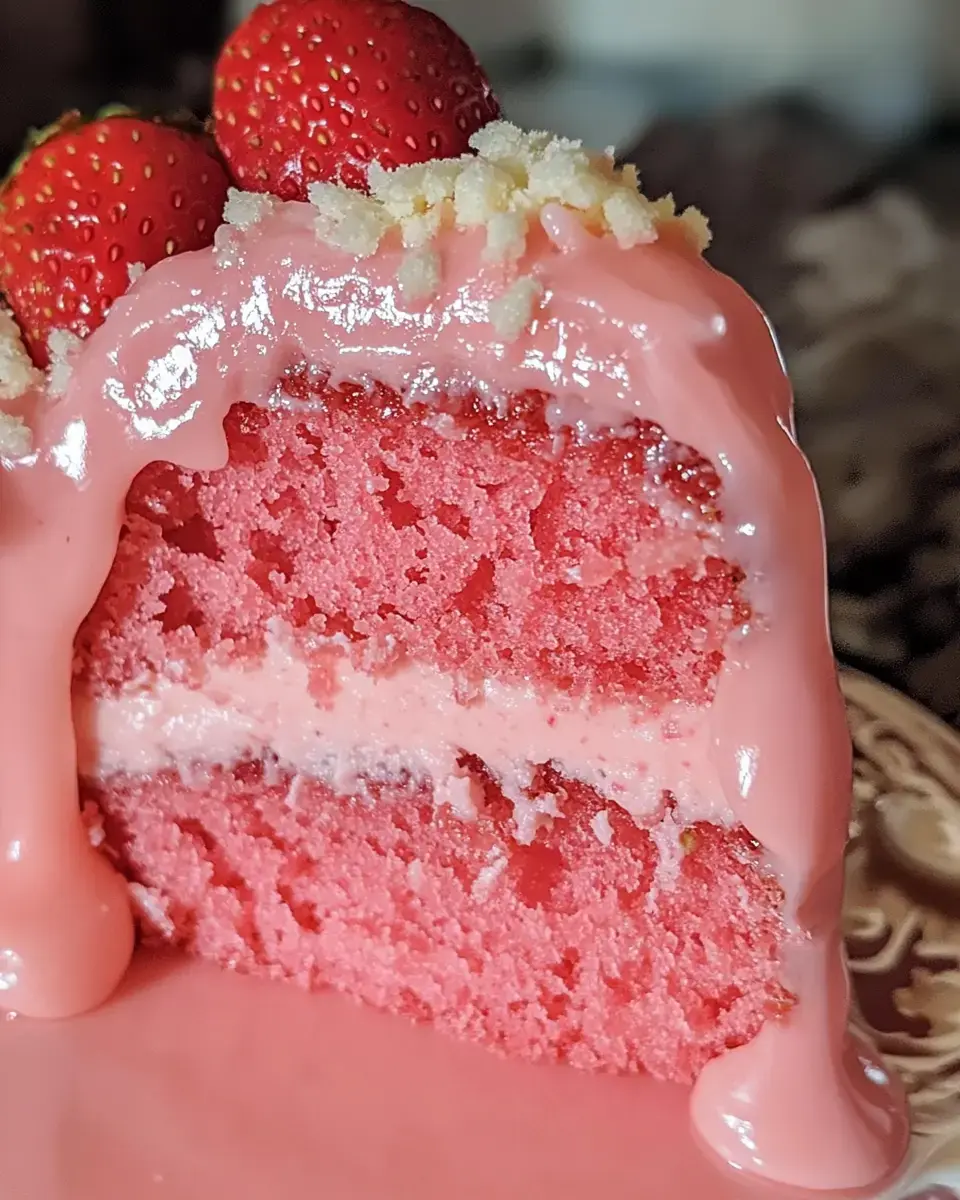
(648, 331)
(194, 1083)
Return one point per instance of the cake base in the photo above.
(644, 950)
(194, 1083)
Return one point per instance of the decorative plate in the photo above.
(903, 913)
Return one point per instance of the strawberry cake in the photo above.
(417, 591)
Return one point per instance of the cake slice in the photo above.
(455, 640)
(409, 699)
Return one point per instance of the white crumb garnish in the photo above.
(225, 245)
(697, 226)
(487, 876)
(506, 237)
(630, 220)
(415, 874)
(152, 910)
(482, 190)
(511, 178)
(246, 209)
(17, 372)
(419, 273)
(134, 271)
(15, 437)
(567, 174)
(513, 148)
(421, 228)
(600, 824)
(414, 189)
(62, 346)
(348, 220)
(512, 313)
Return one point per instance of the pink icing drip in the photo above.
(651, 332)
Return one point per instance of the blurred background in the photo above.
(823, 139)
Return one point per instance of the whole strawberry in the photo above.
(319, 89)
(87, 202)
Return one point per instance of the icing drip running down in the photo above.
(618, 328)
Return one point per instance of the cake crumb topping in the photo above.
(349, 220)
(134, 271)
(246, 209)
(506, 237)
(509, 181)
(511, 313)
(62, 345)
(15, 439)
(17, 372)
(419, 273)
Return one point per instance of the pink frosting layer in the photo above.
(409, 721)
(651, 332)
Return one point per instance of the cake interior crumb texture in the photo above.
(487, 545)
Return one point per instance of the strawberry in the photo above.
(319, 89)
(85, 202)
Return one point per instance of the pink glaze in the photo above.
(651, 332)
(192, 1083)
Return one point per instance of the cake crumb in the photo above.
(414, 189)
(512, 313)
(482, 189)
(243, 210)
(152, 910)
(17, 372)
(697, 227)
(512, 176)
(506, 237)
(134, 271)
(529, 815)
(488, 875)
(567, 174)
(419, 274)
(15, 437)
(348, 220)
(630, 220)
(225, 239)
(462, 793)
(600, 824)
(420, 228)
(62, 345)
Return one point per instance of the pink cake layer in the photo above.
(494, 548)
(484, 547)
(564, 949)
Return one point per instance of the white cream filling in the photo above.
(410, 723)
